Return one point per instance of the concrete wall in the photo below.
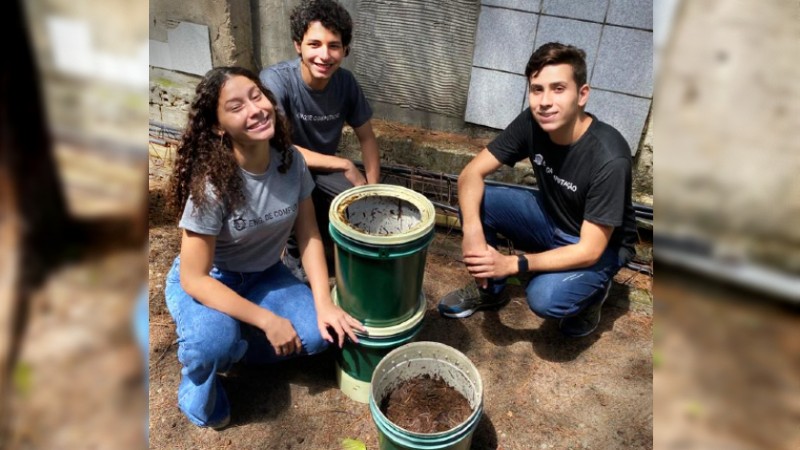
(272, 41)
(229, 25)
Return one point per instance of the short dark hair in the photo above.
(554, 53)
(330, 13)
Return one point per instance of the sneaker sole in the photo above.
(458, 315)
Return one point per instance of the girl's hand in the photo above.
(282, 335)
(331, 316)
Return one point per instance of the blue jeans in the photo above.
(520, 216)
(210, 341)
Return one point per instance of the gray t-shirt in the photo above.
(317, 117)
(251, 239)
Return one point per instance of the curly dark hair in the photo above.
(553, 53)
(203, 157)
(330, 13)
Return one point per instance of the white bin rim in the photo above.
(427, 219)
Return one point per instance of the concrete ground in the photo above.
(541, 390)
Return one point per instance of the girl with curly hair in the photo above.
(241, 188)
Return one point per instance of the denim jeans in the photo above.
(520, 216)
(210, 341)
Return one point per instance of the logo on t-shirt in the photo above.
(538, 159)
(316, 118)
(240, 223)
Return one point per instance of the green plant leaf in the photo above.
(353, 444)
(23, 378)
(658, 359)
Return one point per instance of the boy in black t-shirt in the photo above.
(577, 230)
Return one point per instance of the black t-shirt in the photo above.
(589, 179)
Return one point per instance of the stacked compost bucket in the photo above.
(382, 233)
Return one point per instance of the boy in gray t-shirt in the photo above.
(319, 97)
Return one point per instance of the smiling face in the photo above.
(321, 54)
(557, 101)
(244, 112)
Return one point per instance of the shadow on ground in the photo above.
(542, 338)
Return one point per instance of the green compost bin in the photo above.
(382, 233)
(356, 361)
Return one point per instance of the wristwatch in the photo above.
(522, 264)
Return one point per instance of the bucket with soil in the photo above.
(382, 234)
(426, 395)
(356, 362)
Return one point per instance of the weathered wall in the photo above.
(171, 93)
(643, 167)
(272, 41)
(229, 24)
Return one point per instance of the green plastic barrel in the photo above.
(436, 360)
(356, 362)
(382, 233)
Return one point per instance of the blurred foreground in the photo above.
(727, 244)
(72, 225)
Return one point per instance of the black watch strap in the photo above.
(522, 264)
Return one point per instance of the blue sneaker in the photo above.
(586, 321)
(470, 298)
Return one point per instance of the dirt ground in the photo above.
(541, 390)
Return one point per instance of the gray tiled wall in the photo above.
(514, 30)
(616, 35)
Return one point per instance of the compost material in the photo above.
(381, 215)
(425, 404)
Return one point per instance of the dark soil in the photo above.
(425, 404)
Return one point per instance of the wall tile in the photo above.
(523, 5)
(632, 13)
(494, 97)
(583, 35)
(504, 40)
(627, 114)
(594, 10)
(625, 61)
